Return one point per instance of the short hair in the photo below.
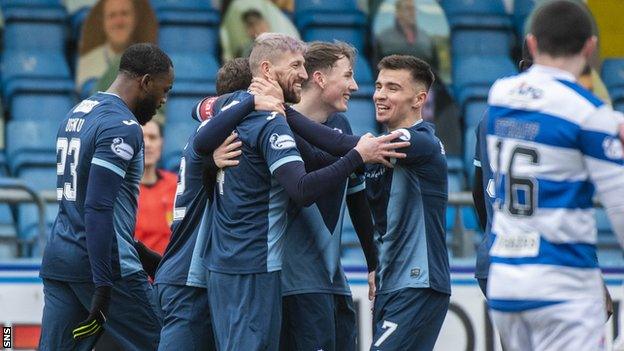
(561, 28)
(323, 56)
(420, 70)
(233, 75)
(250, 15)
(144, 58)
(270, 46)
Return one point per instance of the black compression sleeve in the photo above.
(479, 198)
(319, 135)
(305, 188)
(362, 219)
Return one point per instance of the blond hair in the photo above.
(270, 46)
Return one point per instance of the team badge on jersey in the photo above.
(612, 148)
(405, 134)
(282, 142)
(122, 149)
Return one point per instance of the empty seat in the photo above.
(37, 100)
(181, 5)
(361, 116)
(476, 14)
(200, 27)
(34, 28)
(473, 41)
(473, 76)
(176, 135)
(362, 71)
(194, 67)
(30, 143)
(179, 106)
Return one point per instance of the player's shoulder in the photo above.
(339, 122)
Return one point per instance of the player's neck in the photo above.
(311, 108)
(125, 90)
(572, 64)
(404, 123)
(150, 176)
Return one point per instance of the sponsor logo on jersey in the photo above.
(405, 134)
(121, 149)
(282, 142)
(130, 122)
(85, 106)
(272, 116)
(612, 148)
(205, 111)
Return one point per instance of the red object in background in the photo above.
(26, 336)
(155, 212)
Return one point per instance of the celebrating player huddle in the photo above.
(263, 184)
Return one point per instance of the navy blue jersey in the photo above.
(409, 204)
(99, 132)
(482, 161)
(248, 212)
(181, 262)
(312, 243)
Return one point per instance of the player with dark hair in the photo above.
(550, 143)
(180, 280)
(408, 204)
(249, 213)
(318, 311)
(92, 275)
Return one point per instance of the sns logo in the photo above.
(122, 149)
(612, 148)
(282, 142)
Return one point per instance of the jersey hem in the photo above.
(424, 286)
(315, 291)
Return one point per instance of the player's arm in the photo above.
(421, 148)
(207, 139)
(604, 159)
(115, 147)
(478, 195)
(313, 158)
(362, 220)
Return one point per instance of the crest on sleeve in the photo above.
(405, 134)
(121, 149)
(612, 148)
(281, 142)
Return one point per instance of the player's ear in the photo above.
(319, 78)
(266, 69)
(418, 101)
(146, 82)
(531, 44)
(589, 47)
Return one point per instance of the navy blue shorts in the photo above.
(318, 321)
(186, 318)
(408, 319)
(132, 320)
(246, 310)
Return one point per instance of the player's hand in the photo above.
(270, 87)
(380, 149)
(225, 155)
(150, 259)
(269, 103)
(372, 289)
(97, 315)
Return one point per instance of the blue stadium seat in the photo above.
(521, 11)
(476, 14)
(39, 178)
(30, 3)
(37, 100)
(473, 75)
(361, 116)
(613, 78)
(182, 5)
(25, 26)
(455, 173)
(619, 106)
(362, 71)
(176, 135)
(199, 27)
(474, 112)
(30, 144)
(353, 32)
(194, 67)
(46, 67)
(303, 6)
(179, 107)
(471, 41)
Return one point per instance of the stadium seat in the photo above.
(362, 71)
(361, 116)
(521, 11)
(473, 76)
(472, 41)
(182, 5)
(25, 26)
(328, 20)
(613, 78)
(39, 178)
(199, 28)
(37, 100)
(194, 67)
(176, 135)
(476, 14)
(474, 112)
(30, 143)
(455, 174)
(179, 106)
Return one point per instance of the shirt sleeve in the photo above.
(421, 148)
(604, 159)
(117, 144)
(277, 144)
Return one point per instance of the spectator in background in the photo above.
(233, 33)
(108, 30)
(156, 194)
(405, 38)
(255, 24)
